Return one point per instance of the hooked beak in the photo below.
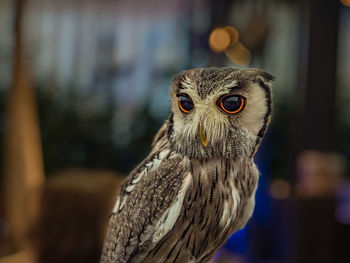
(202, 134)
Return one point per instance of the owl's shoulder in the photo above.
(161, 170)
(161, 137)
(148, 204)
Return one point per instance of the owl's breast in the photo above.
(239, 187)
(214, 206)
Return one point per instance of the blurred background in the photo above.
(84, 88)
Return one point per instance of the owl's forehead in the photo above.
(205, 81)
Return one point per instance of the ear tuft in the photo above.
(266, 76)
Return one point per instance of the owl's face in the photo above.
(219, 112)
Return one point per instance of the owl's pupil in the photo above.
(185, 103)
(232, 104)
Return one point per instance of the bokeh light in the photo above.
(234, 34)
(238, 54)
(345, 2)
(280, 189)
(219, 39)
(226, 39)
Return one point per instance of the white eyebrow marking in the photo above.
(187, 83)
(223, 90)
(232, 84)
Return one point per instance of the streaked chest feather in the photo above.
(213, 207)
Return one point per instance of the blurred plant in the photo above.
(73, 135)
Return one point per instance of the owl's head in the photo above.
(219, 112)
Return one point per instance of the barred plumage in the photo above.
(191, 193)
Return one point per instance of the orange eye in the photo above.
(232, 104)
(185, 104)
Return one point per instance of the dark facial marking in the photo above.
(268, 112)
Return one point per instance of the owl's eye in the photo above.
(185, 104)
(232, 104)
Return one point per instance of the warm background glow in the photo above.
(226, 39)
(219, 39)
(238, 54)
(345, 2)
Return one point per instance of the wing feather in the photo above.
(170, 216)
(145, 214)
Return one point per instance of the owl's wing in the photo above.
(146, 209)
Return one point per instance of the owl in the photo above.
(197, 185)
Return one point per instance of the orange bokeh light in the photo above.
(345, 2)
(223, 37)
(219, 39)
(226, 39)
(234, 35)
(239, 54)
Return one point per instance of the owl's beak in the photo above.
(202, 134)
